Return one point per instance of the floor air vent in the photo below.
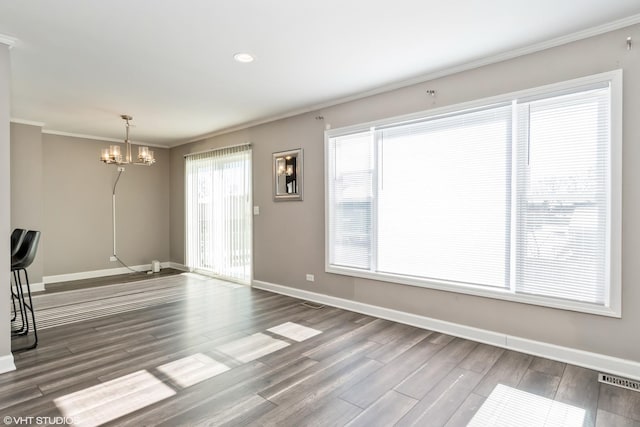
(619, 382)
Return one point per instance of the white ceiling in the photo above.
(78, 65)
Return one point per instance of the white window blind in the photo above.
(444, 198)
(562, 196)
(351, 195)
(218, 212)
(429, 199)
(515, 199)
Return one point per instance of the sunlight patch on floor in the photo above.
(252, 347)
(105, 402)
(294, 332)
(193, 369)
(507, 406)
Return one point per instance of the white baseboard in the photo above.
(106, 272)
(174, 265)
(6, 363)
(35, 287)
(599, 362)
(94, 273)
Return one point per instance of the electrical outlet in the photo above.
(310, 278)
(256, 210)
(113, 258)
(120, 168)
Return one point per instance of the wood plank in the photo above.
(418, 384)
(385, 411)
(539, 383)
(45, 403)
(547, 366)
(398, 346)
(296, 385)
(323, 314)
(334, 412)
(252, 347)
(482, 358)
(152, 359)
(219, 392)
(237, 413)
(113, 399)
(508, 370)
(59, 369)
(440, 338)
(124, 363)
(508, 406)
(580, 387)
(294, 408)
(620, 401)
(389, 334)
(466, 411)
(607, 419)
(294, 331)
(328, 335)
(439, 405)
(377, 384)
(362, 333)
(16, 396)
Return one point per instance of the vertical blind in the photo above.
(218, 212)
(513, 197)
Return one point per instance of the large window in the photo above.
(516, 197)
(218, 213)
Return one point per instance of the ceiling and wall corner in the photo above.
(79, 65)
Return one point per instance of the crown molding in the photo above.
(511, 54)
(98, 138)
(26, 122)
(8, 40)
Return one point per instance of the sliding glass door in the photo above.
(218, 213)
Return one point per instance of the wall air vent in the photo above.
(619, 382)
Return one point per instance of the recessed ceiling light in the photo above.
(243, 57)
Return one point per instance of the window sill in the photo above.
(480, 291)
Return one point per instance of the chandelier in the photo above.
(113, 154)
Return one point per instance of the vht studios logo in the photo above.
(8, 420)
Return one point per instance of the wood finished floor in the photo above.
(221, 354)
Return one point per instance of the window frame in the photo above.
(614, 241)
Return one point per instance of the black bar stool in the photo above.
(17, 236)
(19, 262)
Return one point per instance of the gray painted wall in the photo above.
(289, 237)
(5, 195)
(26, 187)
(77, 208)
